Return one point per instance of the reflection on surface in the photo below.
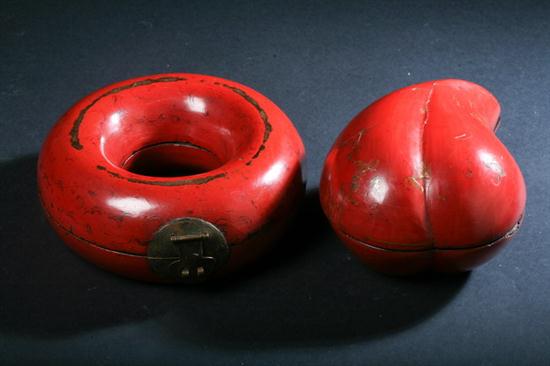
(132, 206)
(195, 104)
(491, 162)
(378, 189)
(102, 145)
(114, 122)
(273, 174)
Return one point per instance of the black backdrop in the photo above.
(310, 301)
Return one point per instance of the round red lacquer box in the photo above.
(174, 177)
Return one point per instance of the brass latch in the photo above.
(187, 250)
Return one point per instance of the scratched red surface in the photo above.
(418, 180)
(250, 151)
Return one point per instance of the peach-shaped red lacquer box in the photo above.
(419, 181)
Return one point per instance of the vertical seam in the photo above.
(425, 174)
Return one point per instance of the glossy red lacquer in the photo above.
(418, 180)
(133, 156)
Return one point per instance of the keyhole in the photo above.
(193, 259)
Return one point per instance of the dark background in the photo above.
(310, 301)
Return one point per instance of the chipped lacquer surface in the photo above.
(108, 214)
(418, 180)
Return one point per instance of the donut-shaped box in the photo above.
(173, 177)
(419, 181)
